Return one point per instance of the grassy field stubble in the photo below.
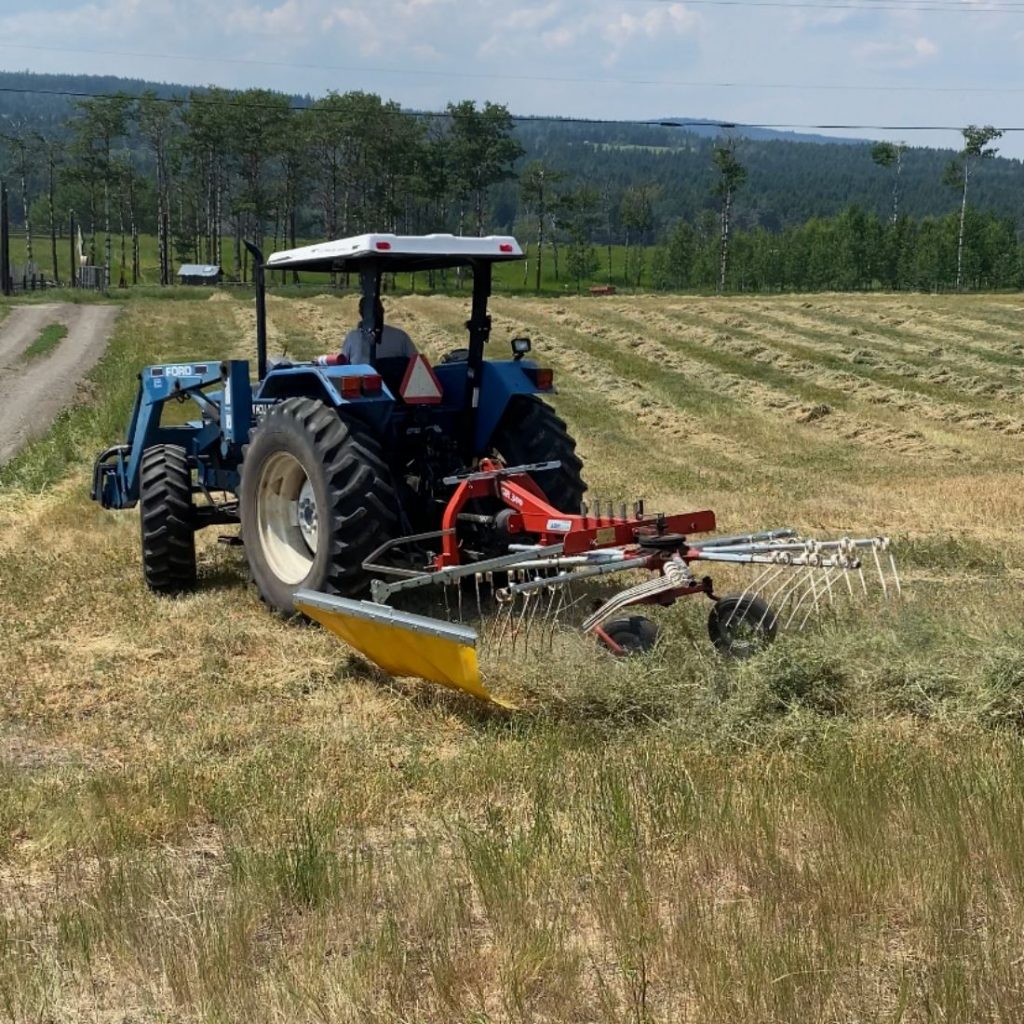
(207, 814)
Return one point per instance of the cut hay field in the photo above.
(210, 815)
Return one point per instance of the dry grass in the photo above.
(209, 815)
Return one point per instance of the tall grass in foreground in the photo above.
(621, 881)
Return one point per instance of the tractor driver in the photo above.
(394, 342)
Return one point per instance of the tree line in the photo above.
(207, 170)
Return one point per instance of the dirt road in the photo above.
(33, 391)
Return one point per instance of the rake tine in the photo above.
(814, 607)
(787, 588)
(828, 584)
(447, 606)
(519, 625)
(779, 571)
(846, 579)
(549, 618)
(808, 589)
(881, 575)
(458, 587)
(895, 575)
(764, 615)
(863, 581)
(479, 606)
(506, 618)
(529, 623)
(739, 603)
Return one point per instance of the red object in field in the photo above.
(534, 517)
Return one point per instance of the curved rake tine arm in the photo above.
(814, 607)
(881, 575)
(505, 615)
(895, 575)
(791, 581)
(808, 589)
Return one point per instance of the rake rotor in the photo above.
(559, 571)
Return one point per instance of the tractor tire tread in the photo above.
(362, 499)
(531, 431)
(167, 520)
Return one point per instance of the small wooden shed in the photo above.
(199, 273)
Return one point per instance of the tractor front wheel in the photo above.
(167, 520)
(531, 431)
(316, 499)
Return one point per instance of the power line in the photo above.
(530, 118)
(938, 6)
(492, 75)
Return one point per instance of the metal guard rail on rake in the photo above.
(549, 553)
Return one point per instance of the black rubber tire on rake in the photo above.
(635, 634)
(357, 507)
(741, 625)
(531, 431)
(167, 520)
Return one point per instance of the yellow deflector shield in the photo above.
(400, 643)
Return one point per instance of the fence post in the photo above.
(5, 244)
(73, 249)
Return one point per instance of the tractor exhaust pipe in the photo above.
(261, 310)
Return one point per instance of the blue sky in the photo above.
(868, 62)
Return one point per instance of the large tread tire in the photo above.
(167, 520)
(356, 502)
(531, 431)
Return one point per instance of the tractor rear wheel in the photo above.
(167, 520)
(316, 499)
(531, 431)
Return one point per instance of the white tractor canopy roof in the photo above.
(395, 253)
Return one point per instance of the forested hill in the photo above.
(788, 181)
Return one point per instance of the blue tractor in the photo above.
(323, 463)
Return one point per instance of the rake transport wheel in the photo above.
(531, 431)
(634, 634)
(167, 520)
(316, 499)
(741, 625)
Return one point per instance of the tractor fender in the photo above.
(500, 382)
(324, 383)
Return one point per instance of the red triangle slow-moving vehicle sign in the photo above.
(420, 385)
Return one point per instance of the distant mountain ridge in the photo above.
(710, 129)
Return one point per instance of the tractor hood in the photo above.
(397, 253)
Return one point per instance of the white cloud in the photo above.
(608, 58)
(905, 53)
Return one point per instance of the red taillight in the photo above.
(371, 384)
(383, 246)
(544, 379)
(507, 247)
(351, 387)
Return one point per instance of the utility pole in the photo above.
(5, 244)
